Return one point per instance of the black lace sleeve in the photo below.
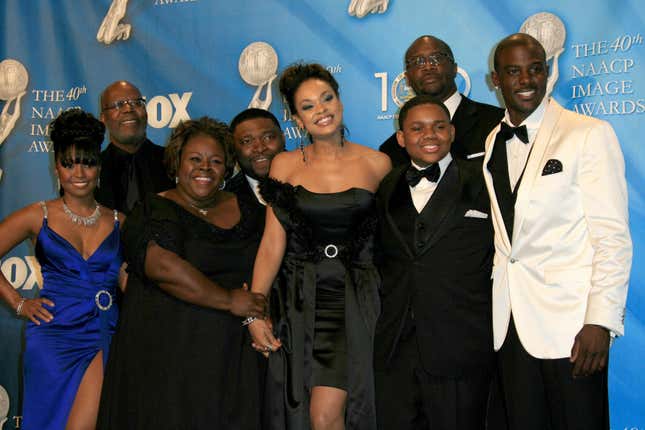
(155, 219)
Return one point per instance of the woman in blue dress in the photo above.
(78, 247)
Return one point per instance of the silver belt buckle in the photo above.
(331, 251)
(97, 300)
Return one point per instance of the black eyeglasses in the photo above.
(133, 103)
(437, 59)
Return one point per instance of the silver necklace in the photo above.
(202, 211)
(84, 220)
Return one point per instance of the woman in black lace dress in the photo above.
(180, 357)
(318, 243)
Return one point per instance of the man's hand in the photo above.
(590, 350)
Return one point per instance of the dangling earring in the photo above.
(301, 144)
(342, 136)
(98, 182)
(176, 179)
(222, 185)
(58, 184)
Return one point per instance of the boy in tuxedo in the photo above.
(433, 344)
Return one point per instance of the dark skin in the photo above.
(180, 279)
(78, 182)
(521, 74)
(434, 80)
(257, 141)
(126, 126)
(200, 172)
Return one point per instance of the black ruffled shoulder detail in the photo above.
(277, 193)
(282, 198)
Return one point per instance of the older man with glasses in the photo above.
(430, 69)
(131, 165)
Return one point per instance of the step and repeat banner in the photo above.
(203, 57)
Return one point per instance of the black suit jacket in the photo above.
(472, 120)
(150, 171)
(239, 186)
(442, 274)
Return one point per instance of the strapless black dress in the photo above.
(324, 302)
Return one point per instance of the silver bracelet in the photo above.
(19, 307)
(248, 321)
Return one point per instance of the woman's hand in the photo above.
(34, 310)
(123, 276)
(262, 335)
(245, 303)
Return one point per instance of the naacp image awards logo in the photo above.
(258, 66)
(549, 30)
(13, 83)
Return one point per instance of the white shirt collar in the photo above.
(255, 186)
(452, 103)
(533, 121)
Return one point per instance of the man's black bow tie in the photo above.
(431, 173)
(507, 131)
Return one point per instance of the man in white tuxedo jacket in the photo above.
(562, 248)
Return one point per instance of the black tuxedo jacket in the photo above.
(115, 165)
(472, 120)
(239, 186)
(436, 268)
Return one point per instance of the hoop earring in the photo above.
(98, 182)
(222, 185)
(58, 184)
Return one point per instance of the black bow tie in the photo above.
(431, 173)
(507, 131)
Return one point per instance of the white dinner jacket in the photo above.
(570, 257)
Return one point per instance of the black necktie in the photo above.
(507, 131)
(431, 173)
(132, 188)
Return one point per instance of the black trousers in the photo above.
(542, 394)
(409, 398)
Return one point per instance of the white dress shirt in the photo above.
(517, 152)
(255, 186)
(422, 192)
(452, 103)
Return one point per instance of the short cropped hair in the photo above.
(417, 101)
(253, 113)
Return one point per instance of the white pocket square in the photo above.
(473, 213)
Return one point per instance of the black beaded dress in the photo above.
(324, 303)
(175, 365)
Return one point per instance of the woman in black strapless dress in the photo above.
(315, 259)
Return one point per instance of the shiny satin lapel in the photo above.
(496, 212)
(535, 162)
(443, 202)
(390, 197)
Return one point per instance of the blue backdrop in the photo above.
(184, 55)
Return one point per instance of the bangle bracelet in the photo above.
(19, 307)
(248, 321)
